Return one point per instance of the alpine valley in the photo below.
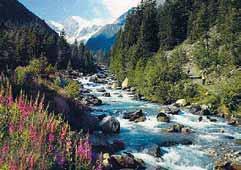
(159, 88)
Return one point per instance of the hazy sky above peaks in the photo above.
(59, 10)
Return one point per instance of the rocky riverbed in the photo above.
(151, 136)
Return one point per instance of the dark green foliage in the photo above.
(72, 89)
(24, 36)
(173, 18)
(160, 80)
(81, 58)
(213, 26)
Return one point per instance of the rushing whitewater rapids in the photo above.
(138, 137)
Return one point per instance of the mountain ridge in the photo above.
(77, 28)
(105, 38)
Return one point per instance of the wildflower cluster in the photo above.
(31, 138)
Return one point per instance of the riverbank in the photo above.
(199, 149)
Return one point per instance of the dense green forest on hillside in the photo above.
(162, 47)
(20, 45)
(35, 61)
(24, 36)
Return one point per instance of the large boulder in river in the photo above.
(178, 128)
(181, 103)
(170, 110)
(110, 124)
(137, 116)
(202, 110)
(126, 161)
(162, 117)
(125, 83)
(90, 100)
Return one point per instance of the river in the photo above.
(138, 137)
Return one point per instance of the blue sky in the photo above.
(59, 10)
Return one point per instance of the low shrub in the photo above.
(72, 89)
(21, 74)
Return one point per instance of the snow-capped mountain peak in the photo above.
(77, 28)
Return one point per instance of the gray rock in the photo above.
(101, 90)
(172, 110)
(106, 95)
(90, 100)
(137, 116)
(110, 124)
(126, 161)
(162, 117)
(177, 128)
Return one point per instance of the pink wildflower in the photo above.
(32, 133)
(50, 148)
(52, 126)
(9, 101)
(11, 128)
(84, 150)
(1, 162)
(5, 149)
(31, 162)
(99, 166)
(63, 132)
(21, 126)
(13, 166)
(24, 108)
(51, 137)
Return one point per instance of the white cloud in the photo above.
(118, 7)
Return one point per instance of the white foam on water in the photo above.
(178, 158)
(124, 123)
(150, 124)
(208, 137)
(186, 157)
(151, 162)
(191, 120)
(116, 98)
